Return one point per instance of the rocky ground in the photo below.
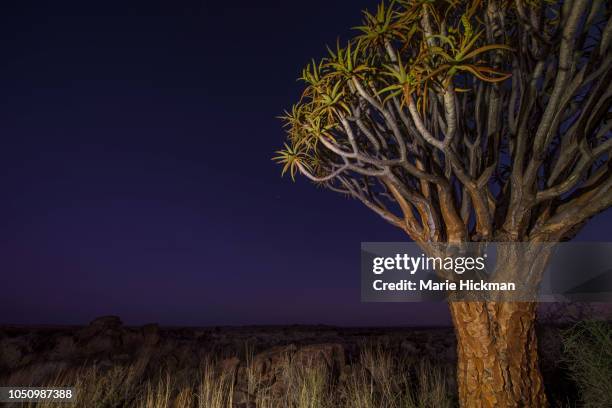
(34, 355)
(107, 341)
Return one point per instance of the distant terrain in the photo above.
(249, 366)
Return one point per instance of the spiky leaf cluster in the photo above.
(435, 109)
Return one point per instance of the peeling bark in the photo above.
(498, 356)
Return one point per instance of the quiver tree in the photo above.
(468, 121)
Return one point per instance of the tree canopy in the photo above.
(464, 120)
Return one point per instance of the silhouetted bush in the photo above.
(588, 354)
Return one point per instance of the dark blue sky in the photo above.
(136, 177)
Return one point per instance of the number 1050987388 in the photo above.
(36, 394)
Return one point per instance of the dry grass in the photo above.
(381, 380)
(377, 379)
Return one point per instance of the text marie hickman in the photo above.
(431, 285)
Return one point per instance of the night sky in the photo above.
(136, 172)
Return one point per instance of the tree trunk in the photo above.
(497, 355)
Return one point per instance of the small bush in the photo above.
(588, 354)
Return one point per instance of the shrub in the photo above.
(588, 354)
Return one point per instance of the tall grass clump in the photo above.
(381, 379)
(308, 385)
(215, 388)
(588, 355)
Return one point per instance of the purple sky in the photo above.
(136, 174)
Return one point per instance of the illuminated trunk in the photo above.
(497, 355)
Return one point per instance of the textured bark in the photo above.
(498, 356)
